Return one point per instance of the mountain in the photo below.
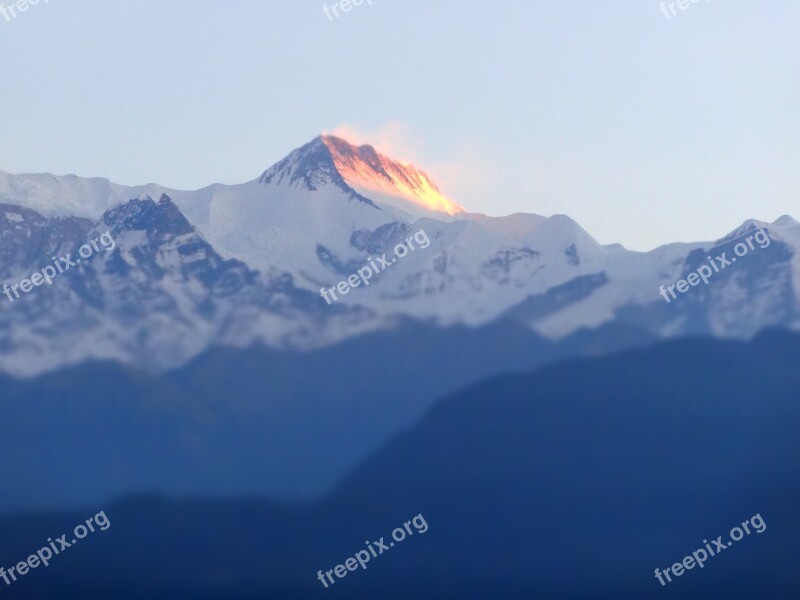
(574, 481)
(237, 265)
(292, 423)
(391, 182)
(158, 295)
(70, 195)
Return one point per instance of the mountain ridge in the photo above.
(585, 476)
(255, 256)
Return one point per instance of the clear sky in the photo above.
(643, 129)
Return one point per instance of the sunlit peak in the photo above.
(367, 170)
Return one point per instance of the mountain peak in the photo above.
(369, 172)
(786, 221)
(363, 172)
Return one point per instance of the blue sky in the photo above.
(645, 130)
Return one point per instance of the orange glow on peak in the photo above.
(365, 168)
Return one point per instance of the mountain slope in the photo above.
(575, 481)
(292, 423)
(159, 295)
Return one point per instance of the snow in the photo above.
(475, 269)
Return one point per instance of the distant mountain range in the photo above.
(237, 265)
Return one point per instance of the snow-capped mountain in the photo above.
(241, 264)
(158, 296)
